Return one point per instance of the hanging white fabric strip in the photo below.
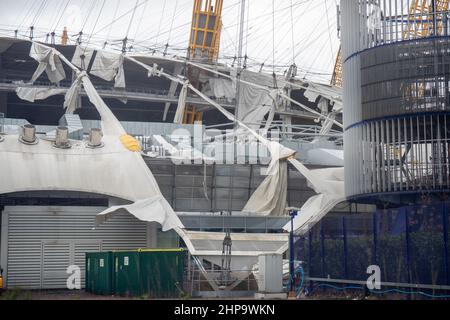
(70, 100)
(48, 61)
(270, 198)
(181, 104)
(329, 184)
(32, 94)
(157, 205)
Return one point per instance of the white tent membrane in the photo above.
(330, 191)
(112, 126)
(254, 103)
(181, 104)
(106, 65)
(43, 167)
(221, 88)
(48, 61)
(32, 94)
(329, 184)
(332, 93)
(270, 198)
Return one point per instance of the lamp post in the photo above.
(292, 214)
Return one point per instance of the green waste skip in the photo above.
(162, 273)
(151, 273)
(99, 273)
(127, 274)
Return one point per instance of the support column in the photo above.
(287, 121)
(3, 95)
(152, 235)
(322, 248)
(4, 103)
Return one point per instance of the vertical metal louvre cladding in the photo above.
(41, 242)
(396, 57)
(409, 153)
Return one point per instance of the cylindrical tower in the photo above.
(396, 61)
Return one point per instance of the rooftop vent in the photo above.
(28, 135)
(95, 138)
(62, 138)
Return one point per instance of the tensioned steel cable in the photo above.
(118, 18)
(131, 19)
(39, 12)
(91, 8)
(292, 33)
(160, 22)
(273, 35)
(171, 24)
(140, 20)
(62, 14)
(113, 20)
(95, 25)
(25, 17)
(329, 31)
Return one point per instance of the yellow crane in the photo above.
(206, 27)
(204, 44)
(419, 26)
(336, 80)
(64, 37)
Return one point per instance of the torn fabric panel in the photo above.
(179, 115)
(32, 94)
(222, 89)
(330, 183)
(271, 196)
(48, 61)
(70, 100)
(110, 124)
(154, 209)
(106, 65)
(109, 66)
(254, 103)
(82, 57)
(314, 90)
(313, 211)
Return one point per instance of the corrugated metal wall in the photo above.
(39, 243)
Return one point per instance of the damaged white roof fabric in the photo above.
(43, 167)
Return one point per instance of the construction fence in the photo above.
(408, 244)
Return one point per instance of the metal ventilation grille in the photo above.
(41, 242)
(410, 153)
(406, 78)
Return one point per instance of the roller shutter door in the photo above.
(39, 243)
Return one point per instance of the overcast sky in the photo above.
(313, 44)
